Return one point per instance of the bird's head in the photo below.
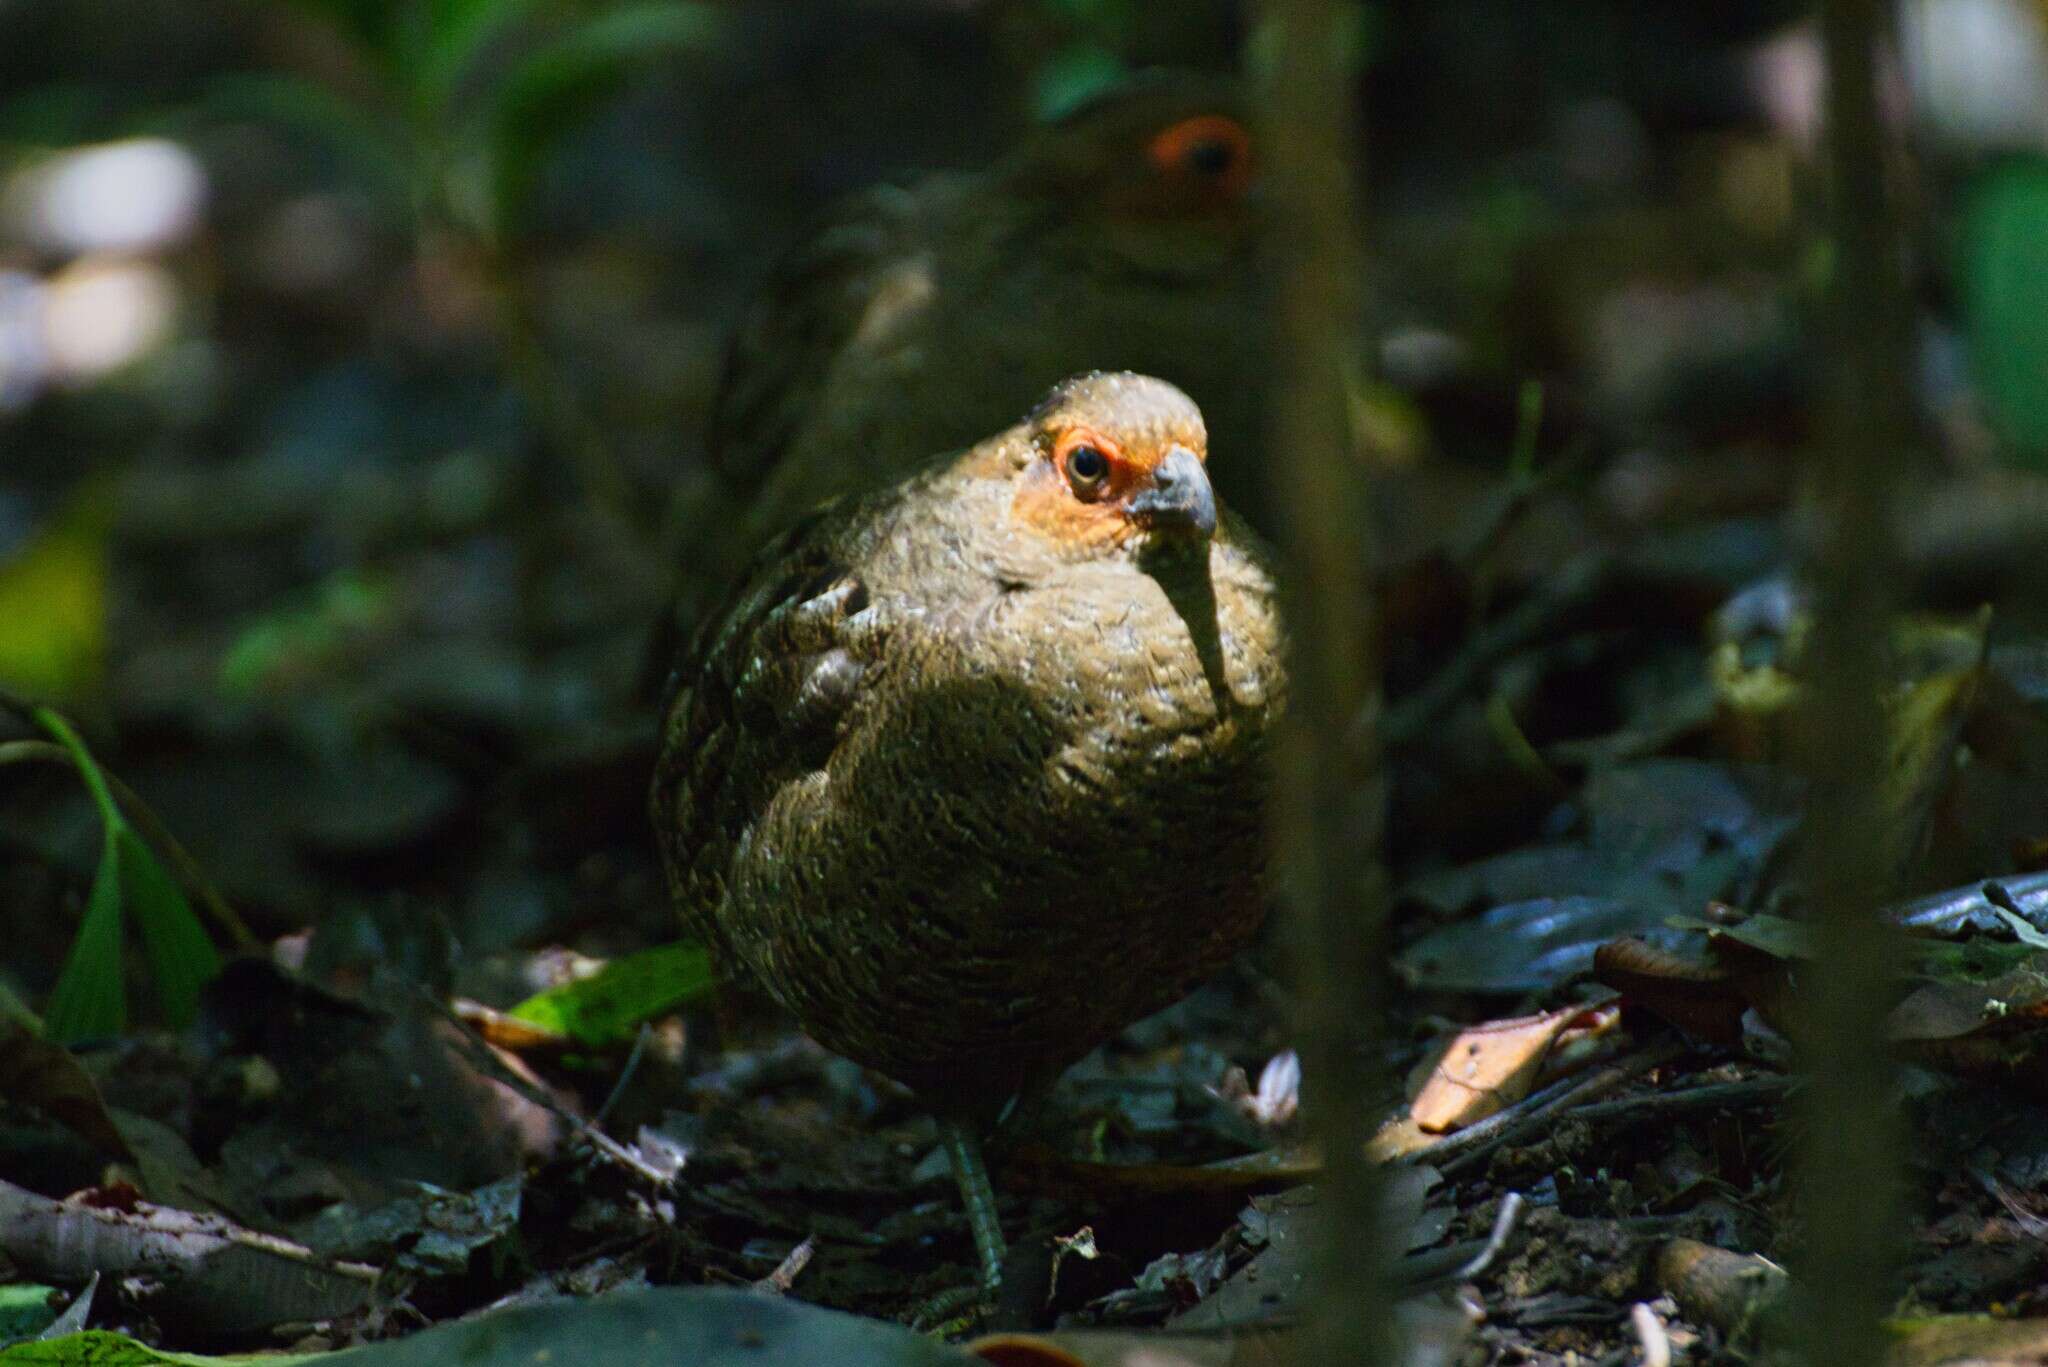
(1112, 462)
(1160, 169)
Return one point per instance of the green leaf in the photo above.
(559, 86)
(608, 1007)
(104, 1348)
(24, 1310)
(181, 956)
(89, 1001)
(2005, 296)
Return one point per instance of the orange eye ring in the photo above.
(1212, 149)
(1089, 460)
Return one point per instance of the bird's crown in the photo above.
(1140, 413)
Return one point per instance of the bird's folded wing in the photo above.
(811, 310)
(759, 696)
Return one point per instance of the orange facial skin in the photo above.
(1080, 513)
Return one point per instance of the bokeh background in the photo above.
(355, 357)
(352, 352)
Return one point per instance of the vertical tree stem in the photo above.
(1329, 806)
(1849, 1174)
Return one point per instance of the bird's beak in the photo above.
(1179, 498)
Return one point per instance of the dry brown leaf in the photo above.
(1487, 1068)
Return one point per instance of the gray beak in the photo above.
(1180, 499)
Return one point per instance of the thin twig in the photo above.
(784, 1276)
(625, 1073)
(578, 440)
(1529, 1122)
(1460, 1262)
(479, 1052)
(1504, 1222)
(1538, 1102)
(1718, 1096)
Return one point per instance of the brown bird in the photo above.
(917, 320)
(969, 774)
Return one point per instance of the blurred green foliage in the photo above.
(2005, 294)
(53, 602)
(469, 96)
(301, 636)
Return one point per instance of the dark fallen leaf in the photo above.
(43, 1074)
(1514, 876)
(1973, 908)
(1526, 946)
(703, 1327)
(1692, 830)
(432, 1234)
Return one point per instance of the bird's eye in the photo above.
(1211, 148)
(1088, 460)
(1087, 466)
(1209, 156)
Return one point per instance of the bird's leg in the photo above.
(963, 1151)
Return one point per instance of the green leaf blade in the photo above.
(90, 999)
(609, 1006)
(182, 957)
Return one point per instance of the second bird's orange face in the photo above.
(1203, 159)
(1197, 167)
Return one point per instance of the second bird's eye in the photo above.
(1209, 156)
(1210, 151)
(1087, 466)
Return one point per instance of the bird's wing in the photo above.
(762, 623)
(835, 289)
(758, 698)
